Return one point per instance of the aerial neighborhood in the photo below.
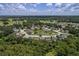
(44, 32)
(30, 35)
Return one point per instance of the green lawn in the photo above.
(42, 32)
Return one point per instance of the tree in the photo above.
(51, 53)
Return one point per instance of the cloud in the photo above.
(12, 9)
(1, 6)
(49, 4)
(58, 4)
(64, 7)
(12, 12)
(34, 4)
(33, 10)
(76, 8)
(39, 8)
(21, 7)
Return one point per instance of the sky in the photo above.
(39, 9)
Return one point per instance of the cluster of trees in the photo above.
(11, 46)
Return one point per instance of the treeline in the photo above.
(51, 18)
